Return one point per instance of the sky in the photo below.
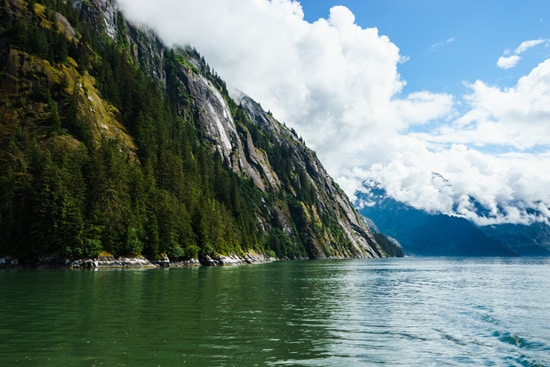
(445, 103)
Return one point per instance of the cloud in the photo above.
(441, 44)
(509, 62)
(510, 187)
(511, 184)
(332, 80)
(516, 117)
(339, 86)
(525, 45)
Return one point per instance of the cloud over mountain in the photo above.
(339, 86)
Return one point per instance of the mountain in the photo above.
(525, 240)
(435, 234)
(111, 142)
(426, 234)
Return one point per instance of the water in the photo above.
(394, 312)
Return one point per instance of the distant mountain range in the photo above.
(422, 233)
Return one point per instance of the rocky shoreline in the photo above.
(139, 262)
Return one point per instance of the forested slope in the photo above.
(111, 142)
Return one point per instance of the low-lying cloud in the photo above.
(339, 86)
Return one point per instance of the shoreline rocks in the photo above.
(112, 262)
(233, 259)
(139, 262)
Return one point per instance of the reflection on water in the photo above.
(399, 312)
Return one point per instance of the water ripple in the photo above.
(393, 312)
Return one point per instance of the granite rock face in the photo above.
(332, 226)
(295, 202)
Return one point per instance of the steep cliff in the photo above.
(141, 149)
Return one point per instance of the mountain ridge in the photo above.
(434, 234)
(114, 142)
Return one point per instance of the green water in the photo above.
(202, 316)
(397, 312)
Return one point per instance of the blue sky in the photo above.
(451, 41)
(393, 90)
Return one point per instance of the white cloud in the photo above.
(338, 85)
(505, 185)
(509, 186)
(517, 117)
(525, 45)
(441, 44)
(423, 107)
(508, 61)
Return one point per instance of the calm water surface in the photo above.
(395, 312)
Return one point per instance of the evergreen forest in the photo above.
(97, 156)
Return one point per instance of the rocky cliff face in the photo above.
(299, 204)
(329, 197)
(332, 226)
